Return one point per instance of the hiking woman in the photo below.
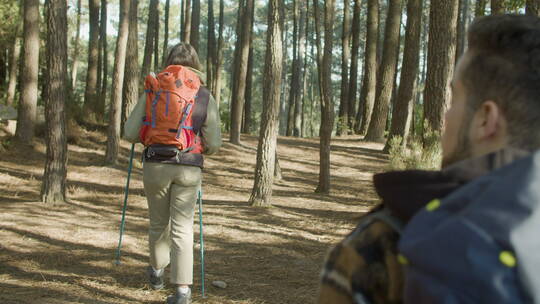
(177, 120)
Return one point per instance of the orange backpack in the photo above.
(170, 101)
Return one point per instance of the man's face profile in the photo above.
(455, 138)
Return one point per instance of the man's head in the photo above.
(496, 89)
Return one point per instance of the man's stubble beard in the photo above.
(462, 150)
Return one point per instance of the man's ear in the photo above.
(487, 122)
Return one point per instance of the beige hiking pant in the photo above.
(171, 191)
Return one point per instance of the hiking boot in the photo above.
(180, 298)
(155, 278)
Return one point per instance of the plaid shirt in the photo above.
(364, 267)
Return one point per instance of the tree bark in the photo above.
(131, 76)
(295, 78)
(211, 51)
(53, 190)
(441, 53)
(195, 22)
(261, 194)
(497, 7)
(182, 18)
(14, 55)
(462, 27)
(166, 32)
(533, 7)
(402, 111)
(157, 55)
(327, 104)
(249, 84)
(104, 61)
(150, 33)
(367, 96)
(92, 87)
(248, 118)
(3, 69)
(187, 21)
(76, 48)
(353, 80)
(297, 131)
(217, 73)
(239, 85)
(385, 82)
(345, 57)
(283, 99)
(115, 108)
(277, 169)
(29, 77)
(480, 9)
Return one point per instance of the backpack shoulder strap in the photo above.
(380, 214)
(384, 215)
(200, 110)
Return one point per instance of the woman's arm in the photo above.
(211, 129)
(134, 122)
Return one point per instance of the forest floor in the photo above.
(65, 253)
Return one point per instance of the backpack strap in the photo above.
(380, 214)
(384, 215)
(201, 108)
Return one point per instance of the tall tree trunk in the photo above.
(385, 82)
(91, 93)
(327, 104)
(156, 43)
(14, 55)
(182, 18)
(115, 109)
(3, 69)
(480, 8)
(53, 190)
(104, 61)
(211, 51)
(345, 57)
(249, 84)
(305, 74)
(277, 168)
(150, 33)
(441, 52)
(497, 7)
(76, 48)
(266, 153)
(166, 32)
(295, 78)
(463, 20)
(195, 23)
(402, 111)
(353, 80)
(283, 99)
(367, 97)
(187, 21)
(29, 75)
(239, 85)
(217, 73)
(533, 7)
(131, 76)
(297, 131)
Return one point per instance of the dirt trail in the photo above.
(64, 254)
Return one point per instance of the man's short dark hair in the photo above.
(504, 66)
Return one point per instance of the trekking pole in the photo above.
(123, 222)
(201, 242)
